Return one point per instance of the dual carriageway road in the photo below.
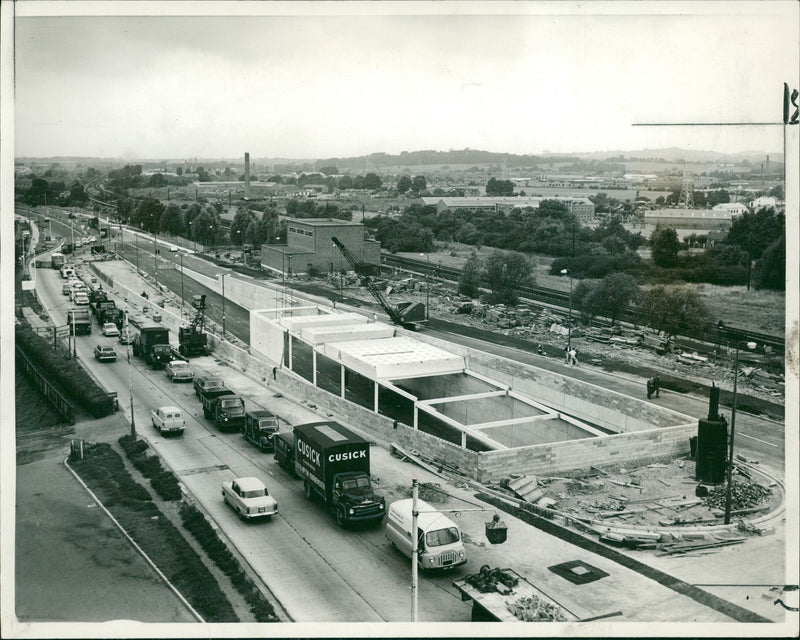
(316, 570)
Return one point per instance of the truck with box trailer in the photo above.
(151, 342)
(334, 465)
(79, 321)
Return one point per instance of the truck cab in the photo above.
(229, 412)
(259, 427)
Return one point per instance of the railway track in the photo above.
(715, 333)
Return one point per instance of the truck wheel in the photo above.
(341, 516)
(307, 490)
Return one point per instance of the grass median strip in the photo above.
(166, 485)
(104, 472)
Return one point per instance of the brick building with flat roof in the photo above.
(309, 246)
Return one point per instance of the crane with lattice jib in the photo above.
(409, 315)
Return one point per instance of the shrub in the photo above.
(67, 375)
(148, 466)
(166, 485)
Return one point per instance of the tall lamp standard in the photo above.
(130, 384)
(427, 286)
(729, 488)
(155, 250)
(223, 303)
(181, 256)
(569, 322)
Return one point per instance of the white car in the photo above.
(109, 329)
(249, 497)
(80, 298)
(179, 371)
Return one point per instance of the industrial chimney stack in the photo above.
(247, 174)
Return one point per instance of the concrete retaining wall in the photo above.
(248, 295)
(556, 457)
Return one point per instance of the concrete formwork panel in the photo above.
(390, 358)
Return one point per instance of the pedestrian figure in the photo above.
(657, 384)
(573, 357)
(651, 387)
(540, 351)
(566, 354)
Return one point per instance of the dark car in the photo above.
(104, 353)
(207, 383)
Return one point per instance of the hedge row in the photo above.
(195, 522)
(162, 480)
(66, 374)
(131, 504)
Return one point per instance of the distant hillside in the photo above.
(672, 154)
(430, 157)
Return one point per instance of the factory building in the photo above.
(309, 246)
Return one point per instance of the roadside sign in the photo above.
(28, 285)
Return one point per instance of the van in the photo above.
(440, 545)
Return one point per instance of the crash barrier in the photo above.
(57, 400)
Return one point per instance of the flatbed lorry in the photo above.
(224, 407)
(333, 463)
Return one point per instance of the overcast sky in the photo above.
(313, 85)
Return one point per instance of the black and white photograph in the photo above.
(399, 319)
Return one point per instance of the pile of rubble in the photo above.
(624, 502)
(744, 495)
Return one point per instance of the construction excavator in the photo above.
(192, 340)
(409, 315)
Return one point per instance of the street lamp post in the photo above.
(181, 255)
(729, 479)
(427, 286)
(569, 321)
(223, 304)
(155, 255)
(130, 383)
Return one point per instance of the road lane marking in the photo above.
(744, 435)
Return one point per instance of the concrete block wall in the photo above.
(444, 386)
(559, 457)
(489, 409)
(580, 399)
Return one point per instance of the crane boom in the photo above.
(400, 315)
